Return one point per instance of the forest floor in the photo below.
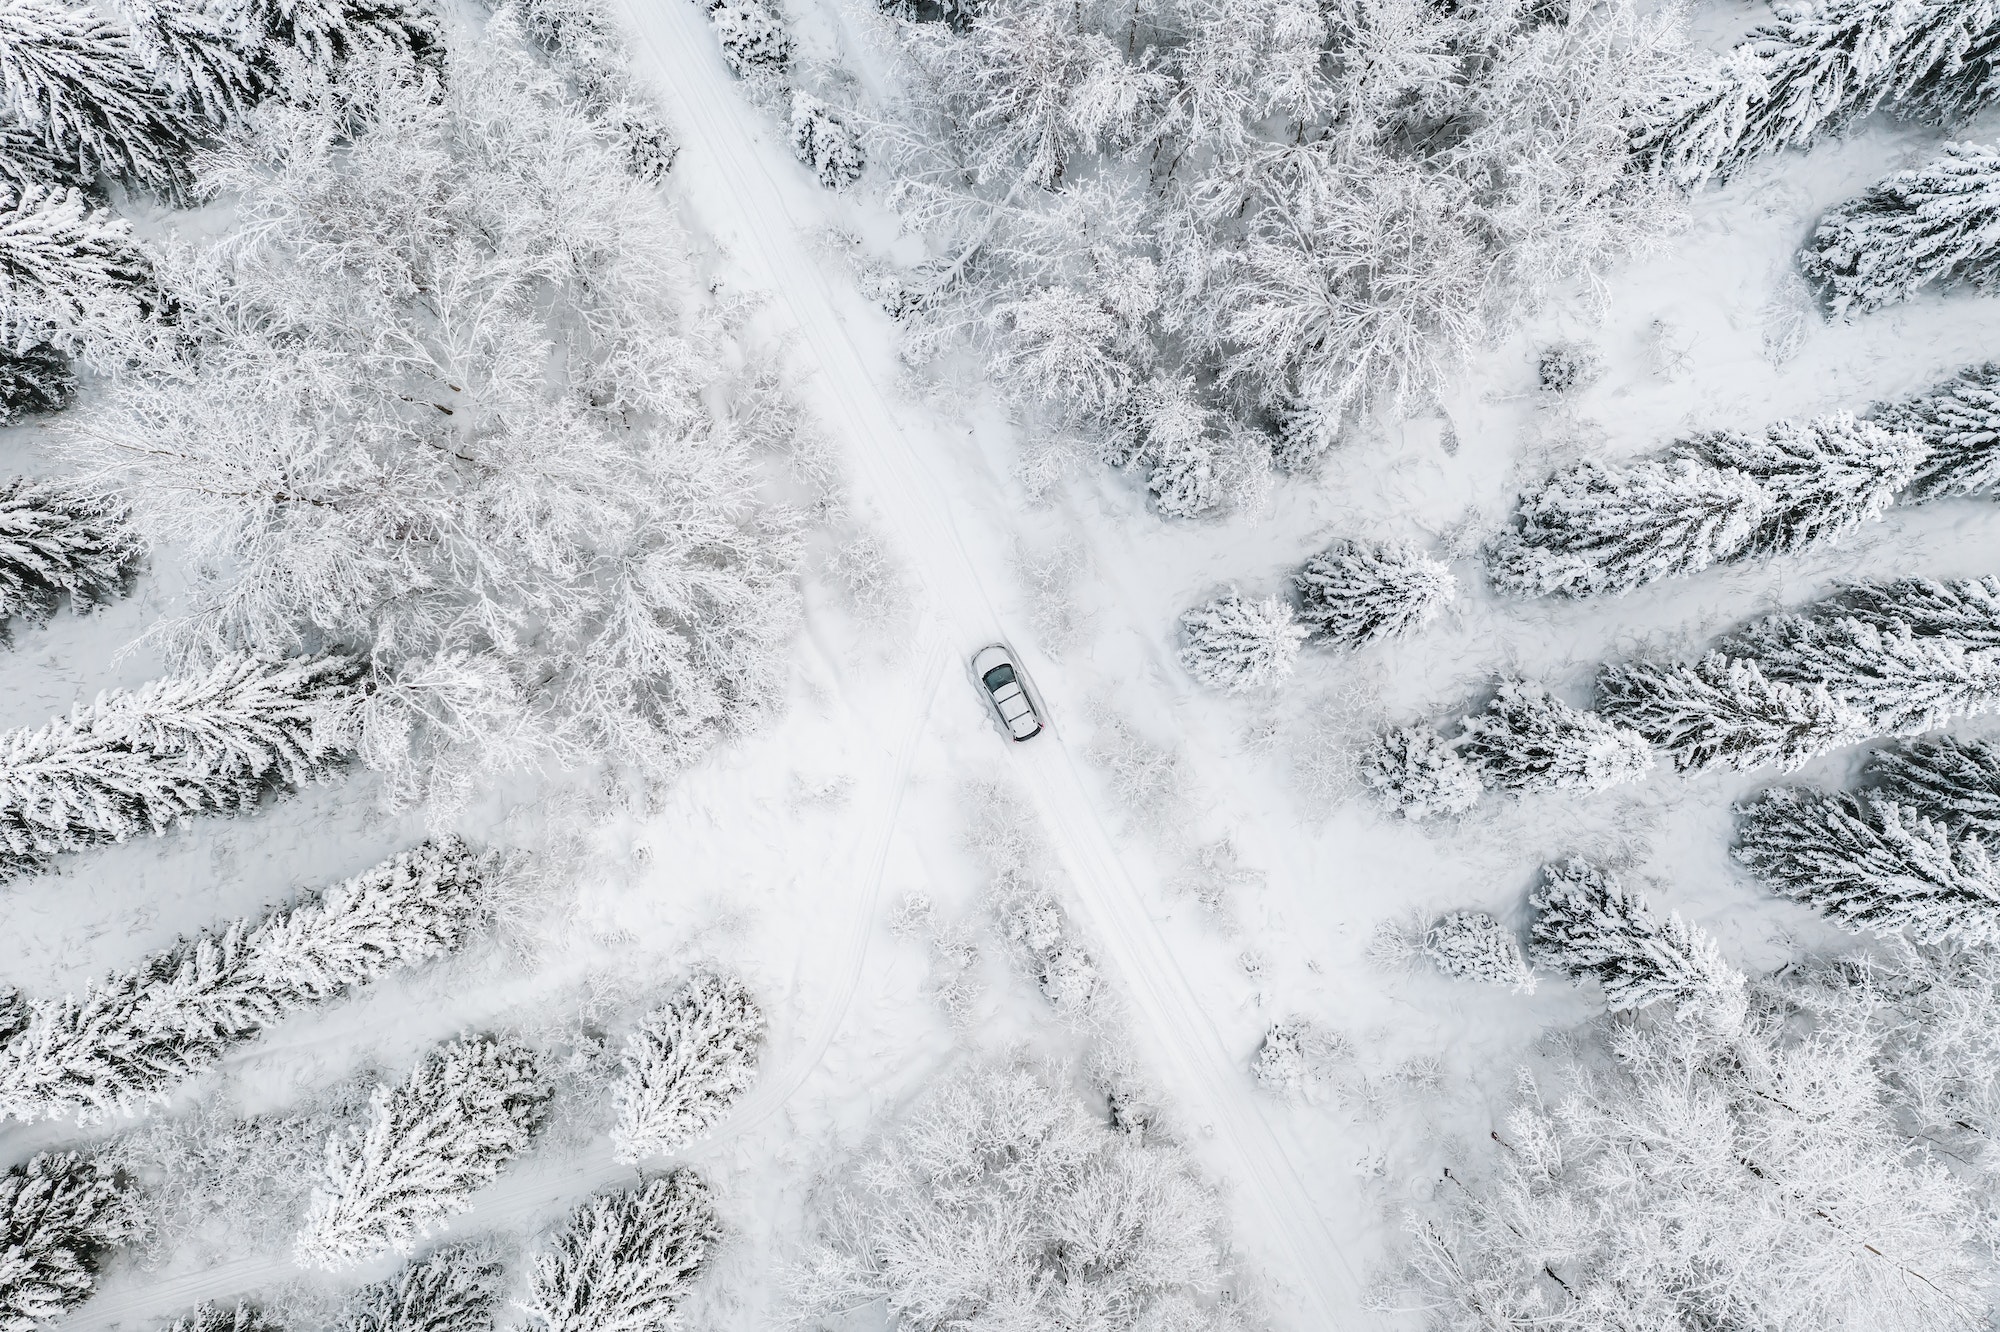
(784, 856)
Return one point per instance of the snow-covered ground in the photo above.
(784, 856)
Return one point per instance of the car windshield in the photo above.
(1002, 674)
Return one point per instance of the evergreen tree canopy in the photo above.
(61, 541)
(1237, 645)
(76, 77)
(1589, 927)
(455, 1289)
(1825, 477)
(625, 1260)
(1937, 224)
(1956, 782)
(687, 1063)
(1960, 420)
(1529, 740)
(1355, 592)
(1723, 712)
(58, 1213)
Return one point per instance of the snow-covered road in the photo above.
(744, 190)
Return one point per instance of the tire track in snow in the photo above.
(729, 184)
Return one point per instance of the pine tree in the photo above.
(1693, 134)
(139, 1033)
(753, 38)
(64, 266)
(1722, 712)
(1871, 864)
(58, 1213)
(1417, 773)
(141, 760)
(685, 1066)
(825, 142)
(1960, 420)
(1528, 740)
(1825, 477)
(1965, 611)
(327, 34)
(1355, 592)
(1237, 645)
(1955, 782)
(1935, 224)
(1900, 681)
(455, 1289)
(74, 76)
(206, 63)
(26, 163)
(238, 1317)
(1471, 945)
(1947, 63)
(1596, 530)
(624, 1261)
(34, 379)
(58, 540)
(468, 1108)
(1171, 433)
(1590, 927)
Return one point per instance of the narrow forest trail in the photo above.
(746, 191)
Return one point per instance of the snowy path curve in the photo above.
(750, 195)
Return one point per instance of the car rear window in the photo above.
(998, 676)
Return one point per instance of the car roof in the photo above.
(994, 654)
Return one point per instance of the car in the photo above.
(1007, 690)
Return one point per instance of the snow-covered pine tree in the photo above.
(1529, 740)
(1722, 712)
(1172, 435)
(1596, 530)
(1355, 592)
(825, 142)
(1471, 945)
(1960, 420)
(329, 33)
(468, 1108)
(1871, 864)
(74, 76)
(1956, 782)
(581, 37)
(687, 1063)
(238, 1317)
(1590, 927)
(64, 266)
(454, 1289)
(1417, 773)
(61, 541)
(58, 1213)
(753, 37)
(139, 1033)
(1238, 645)
(1902, 681)
(1298, 1056)
(625, 1260)
(206, 62)
(141, 760)
(1934, 224)
(1965, 611)
(26, 162)
(35, 379)
(1825, 477)
(1692, 132)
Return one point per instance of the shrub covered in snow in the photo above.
(1563, 368)
(1238, 645)
(1937, 224)
(1298, 1057)
(238, 1317)
(624, 1260)
(57, 541)
(1530, 740)
(685, 1066)
(455, 1289)
(824, 141)
(59, 1211)
(1960, 421)
(1472, 945)
(1591, 928)
(1355, 592)
(468, 1108)
(1871, 864)
(582, 38)
(753, 36)
(142, 760)
(137, 1034)
(1417, 773)
(1069, 1214)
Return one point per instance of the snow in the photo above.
(783, 856)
